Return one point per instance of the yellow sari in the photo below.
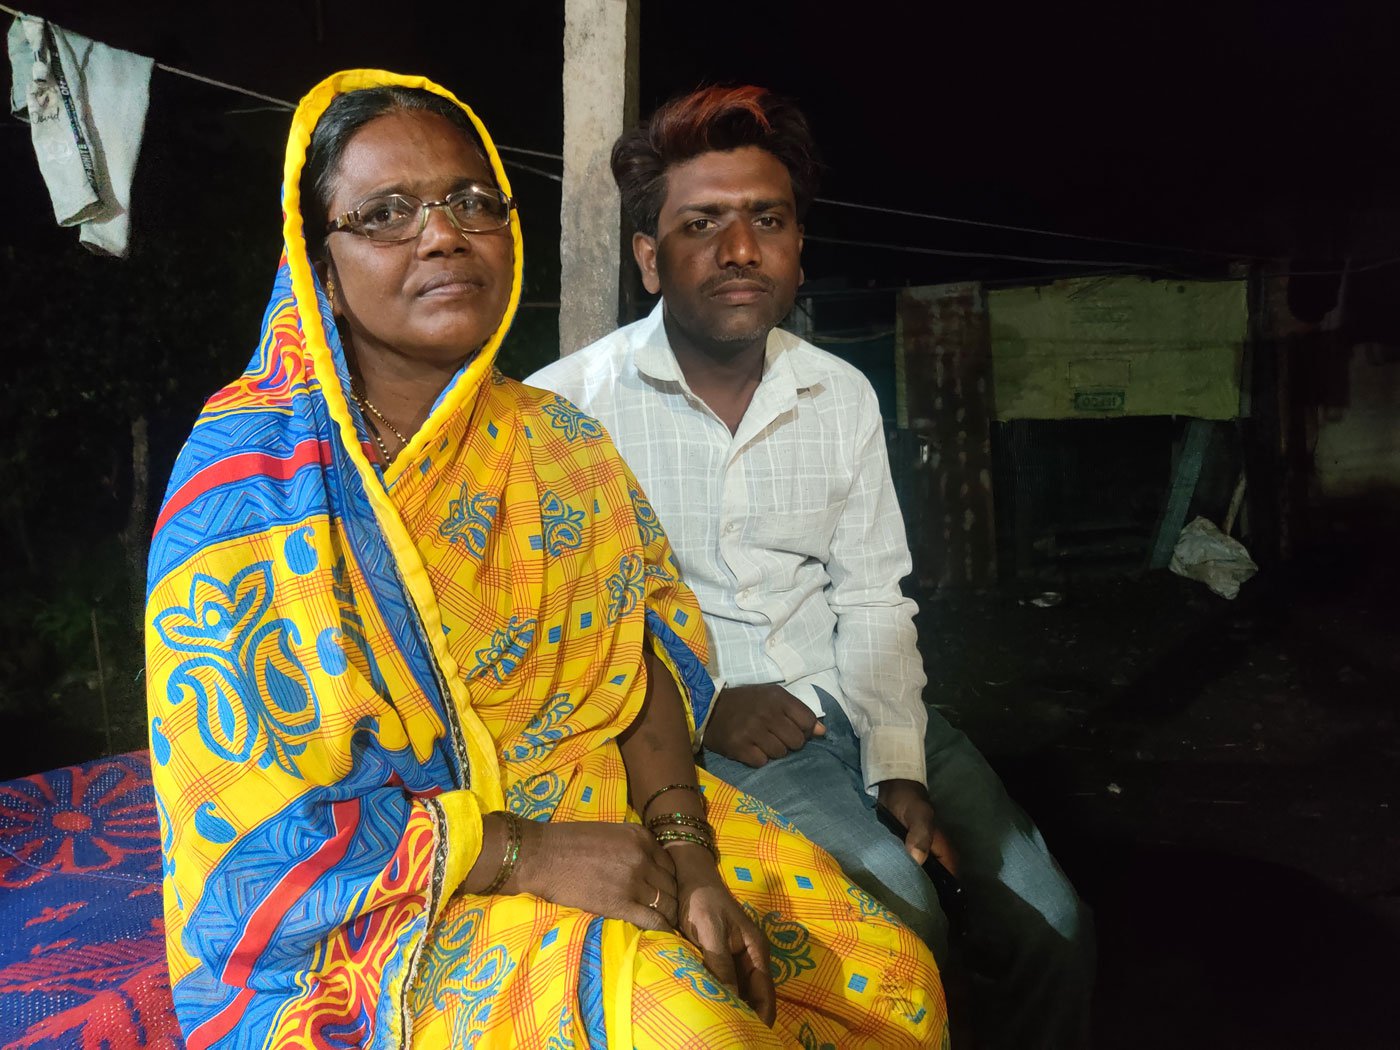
(348, 667)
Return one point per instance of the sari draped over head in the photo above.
(349, 666)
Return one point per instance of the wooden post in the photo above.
(943, 350)
(600, 101)
(1183, 486)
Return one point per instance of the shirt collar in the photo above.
(654, 356)
(782, 365)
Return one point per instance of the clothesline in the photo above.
(278, 102)
(283, 104)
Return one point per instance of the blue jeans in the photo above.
(1028, 953)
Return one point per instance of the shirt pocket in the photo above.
(806, 533)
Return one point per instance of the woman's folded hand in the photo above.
(620, 871)
(710, 918)
(616, 870)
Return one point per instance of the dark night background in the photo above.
(1258, 130)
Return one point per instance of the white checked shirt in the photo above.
(788, 530)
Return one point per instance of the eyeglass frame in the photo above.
(349, 221)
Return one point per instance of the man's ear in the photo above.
(644, 251)
(801, 274)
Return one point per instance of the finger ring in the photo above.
(654, 903)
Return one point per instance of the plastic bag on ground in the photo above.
(1205, 553)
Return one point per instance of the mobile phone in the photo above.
(945, 883)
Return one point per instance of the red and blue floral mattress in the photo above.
(82, 943)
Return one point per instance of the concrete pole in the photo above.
(600, 101)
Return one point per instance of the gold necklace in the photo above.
(366, 404)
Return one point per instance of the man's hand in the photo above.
(908, 803)
(753, 723)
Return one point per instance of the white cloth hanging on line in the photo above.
(86, 105)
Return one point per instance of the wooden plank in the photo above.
(1183, 487)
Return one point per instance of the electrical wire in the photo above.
(517, 166)
(1366, 268)
(982, 224)
(851, 337)
(951, 253)
(1114, 265)
(531, 152)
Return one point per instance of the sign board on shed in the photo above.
(1118, 346)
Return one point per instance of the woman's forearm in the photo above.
(656, 748)
(656, 751)
(495, 837)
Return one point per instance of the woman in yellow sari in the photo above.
(423, 681)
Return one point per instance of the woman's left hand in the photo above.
(711, 919)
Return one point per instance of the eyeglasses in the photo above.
(398, 217)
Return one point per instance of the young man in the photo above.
(764, 458)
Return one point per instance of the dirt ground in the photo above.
(1220, 779)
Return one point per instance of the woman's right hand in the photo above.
(613, 870)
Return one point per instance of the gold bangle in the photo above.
(697, 842)
(666, 838)
(512, 853)
(685, 820)
(671, 787)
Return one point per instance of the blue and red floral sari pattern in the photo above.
(82, 942)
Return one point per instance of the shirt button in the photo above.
(769, 644)
(730, 526)
(744, 594)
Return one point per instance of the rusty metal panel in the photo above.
(943, 359)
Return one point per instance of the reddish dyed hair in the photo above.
(712, 118)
